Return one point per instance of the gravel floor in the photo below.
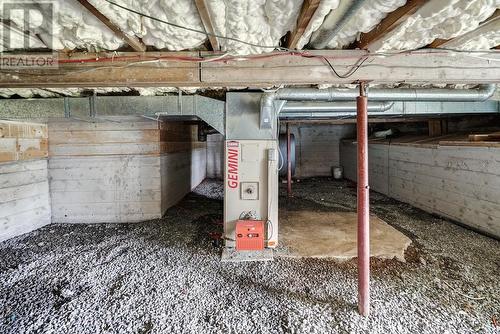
(165, 276)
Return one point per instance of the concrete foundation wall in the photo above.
(104, 171)
(120, 169)
(123, 188)
(183, 161)
(24, 188)
(215, 156)
(180, 173)
(317, 148)
(458, 182)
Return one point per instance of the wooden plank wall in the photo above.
(461, 183)
(24, 188)
(183, 161)
(107, 170)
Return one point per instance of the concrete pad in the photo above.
(333, 235)
(231, 255)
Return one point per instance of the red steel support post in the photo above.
(289, 161)
(363, 205)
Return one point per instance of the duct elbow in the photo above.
(267, 113)
(485, 92)
(385, 106)
(267, 100)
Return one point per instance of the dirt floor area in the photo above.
(165, 276)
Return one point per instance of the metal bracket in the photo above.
(92, 106)
(67, 109)
(179, 101)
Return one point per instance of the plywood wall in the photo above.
(461, 183)
(24, 189)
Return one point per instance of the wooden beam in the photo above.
(182, 69)
(391, 22)
(133, 41)
(495, 136)
(306, 13)
(207, 23)
(492, 23)
(437, 43)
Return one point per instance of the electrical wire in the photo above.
(195, 30)
(350, 72)
(282, 159)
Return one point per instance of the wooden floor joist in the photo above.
(207, 23)
(306, 13)
(389, 23)
(437, 43)
(132, 41)
(182, 69)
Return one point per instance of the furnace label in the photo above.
(233, 154)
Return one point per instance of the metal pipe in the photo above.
(325, 37)
(289, 161)
(482, 93)
(363, 205)
(327, 108)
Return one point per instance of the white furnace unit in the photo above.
(251, 175)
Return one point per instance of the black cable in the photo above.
(196, 30)
(346, 75)
(349, 73)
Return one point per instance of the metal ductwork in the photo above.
(273, 102)
(293, 109)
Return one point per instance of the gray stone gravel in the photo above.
(164, 276)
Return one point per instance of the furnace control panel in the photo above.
(249, 235)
